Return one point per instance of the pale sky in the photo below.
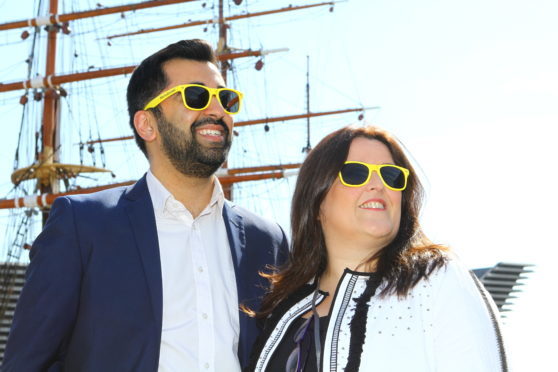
(470, 88)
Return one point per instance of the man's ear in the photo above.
(145, 124)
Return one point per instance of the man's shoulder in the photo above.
(251, 219)
(105, 199)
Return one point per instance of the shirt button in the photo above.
(206, 365)
(200, 269)
(204, 315)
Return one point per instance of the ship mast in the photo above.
(222, 43)
(307, 148)
(223, 48)
(48, 171)
(50, 135)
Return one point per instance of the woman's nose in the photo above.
(375, 182)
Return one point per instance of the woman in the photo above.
(364, 288)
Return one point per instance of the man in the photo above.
(150, 277)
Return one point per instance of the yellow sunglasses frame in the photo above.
(376, 168)
(213, 92)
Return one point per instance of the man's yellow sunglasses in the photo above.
(198, 97)
(357, 173)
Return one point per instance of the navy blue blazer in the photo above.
(92, 300)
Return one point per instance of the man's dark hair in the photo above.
(149, 79)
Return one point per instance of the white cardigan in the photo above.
(447, 323)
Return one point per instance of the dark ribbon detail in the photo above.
(358, 324)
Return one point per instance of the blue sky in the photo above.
(469, 87)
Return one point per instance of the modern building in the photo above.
(504, 281)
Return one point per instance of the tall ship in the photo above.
(62, 91)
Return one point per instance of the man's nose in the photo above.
(215, 108)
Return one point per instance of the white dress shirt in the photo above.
(200, 303)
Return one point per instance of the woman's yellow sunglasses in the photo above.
(198, 97)
(356, 173)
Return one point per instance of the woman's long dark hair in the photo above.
(401, 264)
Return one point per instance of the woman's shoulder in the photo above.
(454, 280)
(464, 318)
(268, 325)
(453, 269)
(289, 302)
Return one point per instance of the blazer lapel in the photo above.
(237, 242)
(236, 234)
(142, 219)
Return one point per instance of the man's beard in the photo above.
(185, 152)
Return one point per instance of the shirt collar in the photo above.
(161, 197)
(159, 194)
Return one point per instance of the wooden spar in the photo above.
(45, 200)
(301, 116)
(229, 180)
(263, 168)
(256, 121)
(230, 177)
(220, 20)
(54, 81)
(54, 18)
(248, 53)
(116, 139)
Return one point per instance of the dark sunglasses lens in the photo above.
(230, 100)
(393, 176)
(354, 173)
(196, 97)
